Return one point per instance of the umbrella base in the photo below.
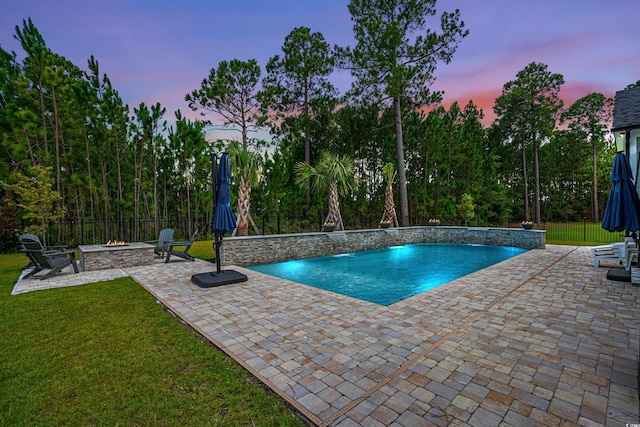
(212, 279)
(619, 275)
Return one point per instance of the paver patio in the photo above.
(540, 339)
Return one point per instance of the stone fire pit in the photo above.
(100, 257)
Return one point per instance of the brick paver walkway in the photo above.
(540, 339)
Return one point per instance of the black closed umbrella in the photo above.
(622, 212)
(223, 222)
(623, 206)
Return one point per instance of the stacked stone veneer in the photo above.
(253, 250)
(99, 257)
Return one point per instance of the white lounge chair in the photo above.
(631, 257)
(615, 252)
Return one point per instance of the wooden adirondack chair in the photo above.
(162, 243)
(43, 260)
(184, 253)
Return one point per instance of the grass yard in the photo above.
(580, 234)
(202, 249)
(108, 354)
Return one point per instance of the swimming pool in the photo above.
(388, 275)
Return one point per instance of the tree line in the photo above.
(108, 161)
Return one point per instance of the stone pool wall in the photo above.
(253, 250)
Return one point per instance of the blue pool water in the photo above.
(388, 275)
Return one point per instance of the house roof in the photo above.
(626, 111)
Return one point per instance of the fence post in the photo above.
(584, 229)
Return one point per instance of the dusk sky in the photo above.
(160, 50)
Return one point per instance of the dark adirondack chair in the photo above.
(43, 260)
(184, 253)
(162, 243)
(47, 249)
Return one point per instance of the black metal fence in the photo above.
(89, 231)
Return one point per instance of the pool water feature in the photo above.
(387, 275)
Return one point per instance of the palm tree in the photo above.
(245, 164)
(333, 172)
(389, 174)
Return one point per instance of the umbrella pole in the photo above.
(214, 185)
(636, 240)
(214, 176)
(218, 243)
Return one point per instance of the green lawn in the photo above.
(202, 249)
(107, 354)
(580, 234)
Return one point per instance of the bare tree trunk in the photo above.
(188, 181)
(245, 138)
(307, 144)
(56, 134)
(28, 141)
(120, 186)
(536, 172)
(105, 197)
(596, 214)
(244, 204)
(525, 177)
(43, 114)
(155, 182)
(389, 205)
(402, 177)
(333, 216)
(92, 196)
(137, 183)
(56, 137)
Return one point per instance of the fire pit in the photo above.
(115, 255)
(112, 243)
